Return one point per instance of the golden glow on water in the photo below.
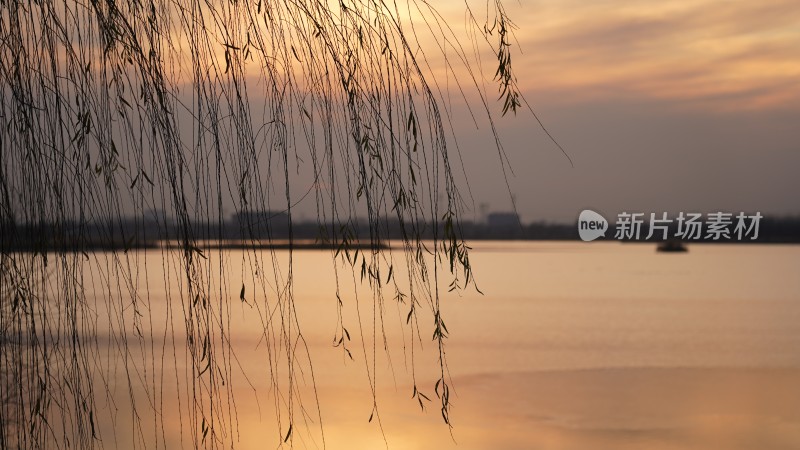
(573, 346)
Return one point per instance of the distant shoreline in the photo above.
(248, 233)
(305, 244)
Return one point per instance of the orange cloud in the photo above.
(720, 55)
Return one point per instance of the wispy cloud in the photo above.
(720, 55)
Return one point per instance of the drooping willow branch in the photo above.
(172, 112)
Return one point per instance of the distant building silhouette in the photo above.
(260, 224)
(502, 220)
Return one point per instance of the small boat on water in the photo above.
(672, 245)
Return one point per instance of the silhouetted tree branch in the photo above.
(173, 112)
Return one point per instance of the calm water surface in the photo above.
(572, 346)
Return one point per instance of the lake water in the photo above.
(571, 346)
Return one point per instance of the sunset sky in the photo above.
(662, 106)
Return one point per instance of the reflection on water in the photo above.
(573, 346)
